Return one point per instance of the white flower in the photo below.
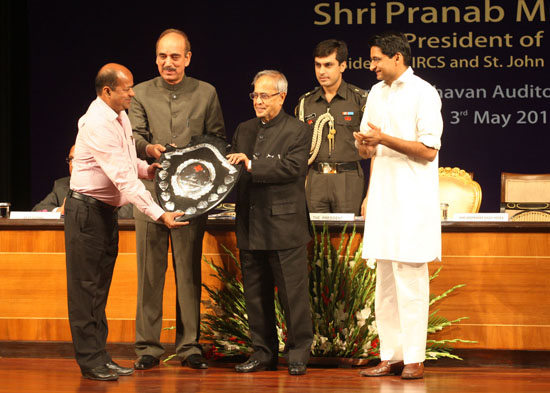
(362, 316)
(321, 342)
(365, 313)
(229, 346)
(352, 263)
(366, 346)
(340, 315)
(372, 328)
(320, 339)
(371, 263)
(280, 336)
(338, 344)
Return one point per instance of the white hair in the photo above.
(279, 81)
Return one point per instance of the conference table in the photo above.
(505, 267)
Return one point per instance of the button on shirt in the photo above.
(105, 164)
(402, 218)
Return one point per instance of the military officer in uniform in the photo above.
(333, 111)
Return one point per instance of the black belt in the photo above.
(92, 201)
(334, 167)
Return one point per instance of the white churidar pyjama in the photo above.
(401, 306)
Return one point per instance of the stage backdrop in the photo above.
(487, 58)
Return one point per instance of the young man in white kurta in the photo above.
(401, 130)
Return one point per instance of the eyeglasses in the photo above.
(262, 96)
(68, 159)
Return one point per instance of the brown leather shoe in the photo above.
(384, 368)
(413, 371)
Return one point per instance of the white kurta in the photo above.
(403, 213)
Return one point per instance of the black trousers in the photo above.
(286, 269)
(91, 245)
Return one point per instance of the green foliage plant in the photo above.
(342, 289)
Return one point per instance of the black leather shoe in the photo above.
(297, 368)
(254, 365)
(100, 373)
(195, 361)
(119, 369)
(146, 362)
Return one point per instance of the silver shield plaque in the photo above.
(196, 178)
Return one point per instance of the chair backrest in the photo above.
(525, 197)
(520, 187)
(459, 191)
(531, 215)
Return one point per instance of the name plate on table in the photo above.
(35, 215)
(331, 216)
(479, 217)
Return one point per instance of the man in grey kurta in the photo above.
(170, 109)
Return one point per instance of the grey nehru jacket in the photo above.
(163, 113)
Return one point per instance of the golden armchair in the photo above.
(459, 191)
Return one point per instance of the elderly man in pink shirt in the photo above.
(104, 177)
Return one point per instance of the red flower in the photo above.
(374, 347)
(325, 299)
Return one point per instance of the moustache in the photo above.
(169, 69)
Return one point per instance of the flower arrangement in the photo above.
(342, 287)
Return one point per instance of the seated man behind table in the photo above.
(55, 200)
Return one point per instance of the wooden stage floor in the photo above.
(26, 375)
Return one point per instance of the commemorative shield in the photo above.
(196, 178)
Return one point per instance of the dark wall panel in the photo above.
(489, 58)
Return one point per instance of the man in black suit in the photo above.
(55, 200)
(272, 225)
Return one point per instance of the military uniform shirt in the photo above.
(347, 109)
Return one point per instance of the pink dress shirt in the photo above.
(105, 164)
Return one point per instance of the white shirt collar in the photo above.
(403, 78)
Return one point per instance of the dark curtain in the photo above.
(14, 105)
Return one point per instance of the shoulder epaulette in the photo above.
(299, 109)
(308, 93)
(361, 92)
